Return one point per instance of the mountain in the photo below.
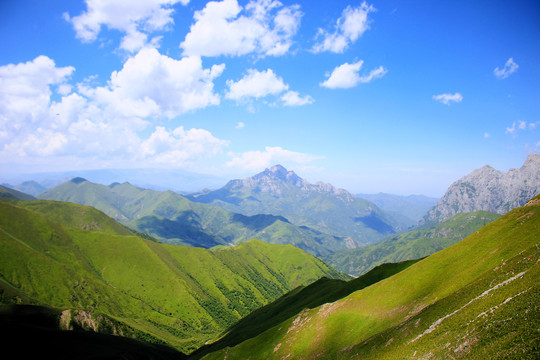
(490, 190)
(477, 299)
(174, 219)
(311, 296)
(414, 244)
(9, 193)
(101, 277)
(277, 191)
(30, 187)
(409, 208)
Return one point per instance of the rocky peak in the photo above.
(489, 189)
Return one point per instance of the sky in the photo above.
(403, 97)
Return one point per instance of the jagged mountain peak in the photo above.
(489, 189)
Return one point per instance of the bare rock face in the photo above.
(488, 189)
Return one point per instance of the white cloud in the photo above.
(180, 146)
(349, 27)
(256, 84)
(104, 123)
(521, 125)
(152, 85)
(348, 75)
(292, 98)
(225, 28)
(509, 68)
(26, 92)
(448, 98)
(486, 135)
(135, 18)
(240, 125)
(256, 160)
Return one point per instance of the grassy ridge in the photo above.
(414, 244)
(478, 297)
(304, 297)
(71, 256)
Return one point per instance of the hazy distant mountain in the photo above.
(30, 187)
(174, 219)
(488, 189)
(168, 179)
(409, 208)
(9, 193)
(320, 206)
(410, 245)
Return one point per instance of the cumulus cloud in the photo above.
(26, 92)
(348, 75)
(259, 84)
(106, 122)
(135, 18)
(263, 27)
(256, 160)
(256, 84)
(349, 27)
(293, 98)
(448, 98)
(509, 68)
(521, 125)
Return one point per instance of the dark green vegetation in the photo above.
(305, 297)
(32, 332)
(73, 257)
(8, 193)
(174, 219)
(478, 299)
(414, 244)
(319, 206)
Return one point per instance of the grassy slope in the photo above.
(7, 193)
(475, 299)
(180, 295)
(305, 297)
(414, 244)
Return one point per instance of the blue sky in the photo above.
(384, 96)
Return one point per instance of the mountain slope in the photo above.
(319, 206)
(488, 189)
(305, 297)
(70, 256)
(410, 208)
(8, 193)
(174, 219)
(414, 244)
(475, 299)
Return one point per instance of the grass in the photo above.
(443, 292)
(178, 295)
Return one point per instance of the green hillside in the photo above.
(476, 299)
(414, 244)
(7, 193)
(305, 297)
(69, 256)
(174, 219)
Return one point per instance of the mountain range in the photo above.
(102, 277)
(414, 244)
(174, 219)
(488, 189)
(277, 191)
(477, 299)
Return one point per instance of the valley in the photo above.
(213, 273)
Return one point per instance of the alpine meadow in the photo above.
(270, 179)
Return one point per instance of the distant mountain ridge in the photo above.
(174, 219)
(320, 206)
(490, 190)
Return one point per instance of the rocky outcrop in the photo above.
(488, 189)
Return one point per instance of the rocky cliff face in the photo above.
(488, 189)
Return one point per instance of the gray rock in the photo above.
(488, 189)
